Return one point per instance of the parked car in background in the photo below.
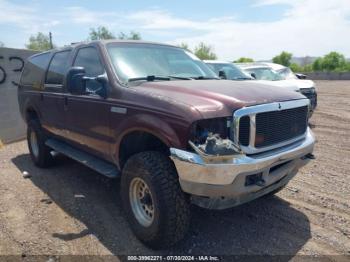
(227, 70)
(281, 76)
(158, 118)
(286, 72)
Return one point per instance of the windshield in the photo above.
(264, 73)
(286, 73)
(232, 72)
(133, 61)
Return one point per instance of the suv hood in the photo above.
(217, 98)
(289, 84)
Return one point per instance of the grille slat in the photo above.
(279, 126)
(244, 130)
(274, 127)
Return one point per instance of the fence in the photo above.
(12, 60)
(328, 76)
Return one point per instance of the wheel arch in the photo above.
(138, 140)
(140, 131)
(31, 114)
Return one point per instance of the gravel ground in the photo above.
(69, 209)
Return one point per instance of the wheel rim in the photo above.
(141, 201)
(34, 144)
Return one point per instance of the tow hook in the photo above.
(309, 156)
(260, 183)
(255, 180)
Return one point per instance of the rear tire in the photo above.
(39, 152)
(159, 212)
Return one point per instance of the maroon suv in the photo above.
(159, 118)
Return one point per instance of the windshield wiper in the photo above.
(203, 78)
(182, 77)
(149, 78)
(242, 78)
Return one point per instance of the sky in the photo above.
(234, 28)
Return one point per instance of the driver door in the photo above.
(87, 116)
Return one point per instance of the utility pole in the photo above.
(51, 45)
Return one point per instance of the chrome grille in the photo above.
(278, 126)
(244, 127)
(268, 126)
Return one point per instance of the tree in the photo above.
(283, 59)
(333, 61)
(317, 65)
(204, 52)
(131, 36)
(184, 46)
(307, 68)
(244, 60)
(102, 32)
(99, 33)
(40, 42)
(296, 68)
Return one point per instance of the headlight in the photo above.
(211, 137)
(308, 90)
(202, 128)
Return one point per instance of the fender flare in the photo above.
(144, 123)
(28, 106)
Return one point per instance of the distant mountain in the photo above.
(302, 61)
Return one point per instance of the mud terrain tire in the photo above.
(39, 152)
(170, 206)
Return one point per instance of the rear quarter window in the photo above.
(34, 70)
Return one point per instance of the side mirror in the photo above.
(75, 80)
(253, 75)
(222, 74)
(300, 76)
(103, 81)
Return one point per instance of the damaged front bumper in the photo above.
(219, 182)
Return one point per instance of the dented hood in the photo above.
(216, 98)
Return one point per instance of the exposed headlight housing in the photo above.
(202, 128)
(211, 137)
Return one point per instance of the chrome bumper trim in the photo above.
(193, 168)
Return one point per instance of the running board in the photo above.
(97, 164)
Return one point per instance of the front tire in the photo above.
(39, 152)
(157, 209)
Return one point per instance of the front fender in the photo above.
(153, 125)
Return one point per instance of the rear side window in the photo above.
(34, 70)
(58, 68)
(88, 58)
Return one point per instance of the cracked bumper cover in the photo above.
(220, 182)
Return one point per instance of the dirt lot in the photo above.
(69, 209)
